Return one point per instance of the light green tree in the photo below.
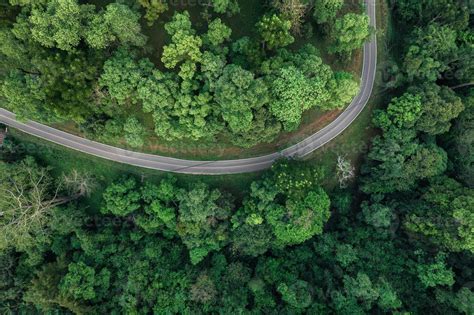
(185, 46)
(275, 31)
(24, 95)
(134, 132)
(121, 198)
(117, 24)
(153, 9)
(349, 33)
(59, 24)
(217, 33)
(122, 74)
(435, 273)
(291, 92)
(239, 94)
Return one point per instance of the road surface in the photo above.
(220, 167)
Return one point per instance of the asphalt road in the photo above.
(162, 163)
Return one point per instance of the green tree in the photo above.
(217, 33)
(153, 9)
(204, 290)
(326, 10)
(81, 282)
(122, 198)
(203, 220)
(300, 81)
(178, 110)
(398, 160)
(343, 89)
(402, 112)
(185, 46)
(444, 215)
(223, 6)
(160, 213)
(429, 53)
(440, 105)
(239, 94)
(44, 292)
(361, 289)
(60, 24)
(345, 255)
(297, 295)
(24, 95)
(68, 92)
(288, 203)
(349, 33)
(425, 11)
(134, 132)
(435, 273)
(122, 74)
(117, 24)
(397, 164)
(275, 31)
(299, 220)
(292, 93)
(265, 128)
(461, 144)
(377, 214)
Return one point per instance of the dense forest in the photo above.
(91, 64)
(398, 239)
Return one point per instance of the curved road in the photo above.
(301, 149)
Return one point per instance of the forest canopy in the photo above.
(70, 61)
(396, 236)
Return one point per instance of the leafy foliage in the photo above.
(275, 31)
(397, 241)
(349, 33)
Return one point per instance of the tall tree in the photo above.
(440, 105)
(60, 24)
(239, 94)
(326, 10)
(445, 215)
(203, 220)
(275, 31)
(28, 196)
(122, 74)
(117, 24)
(184, 48)
(153, 9)
(429, 53)
(349, 33)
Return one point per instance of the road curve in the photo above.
(169, 164)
